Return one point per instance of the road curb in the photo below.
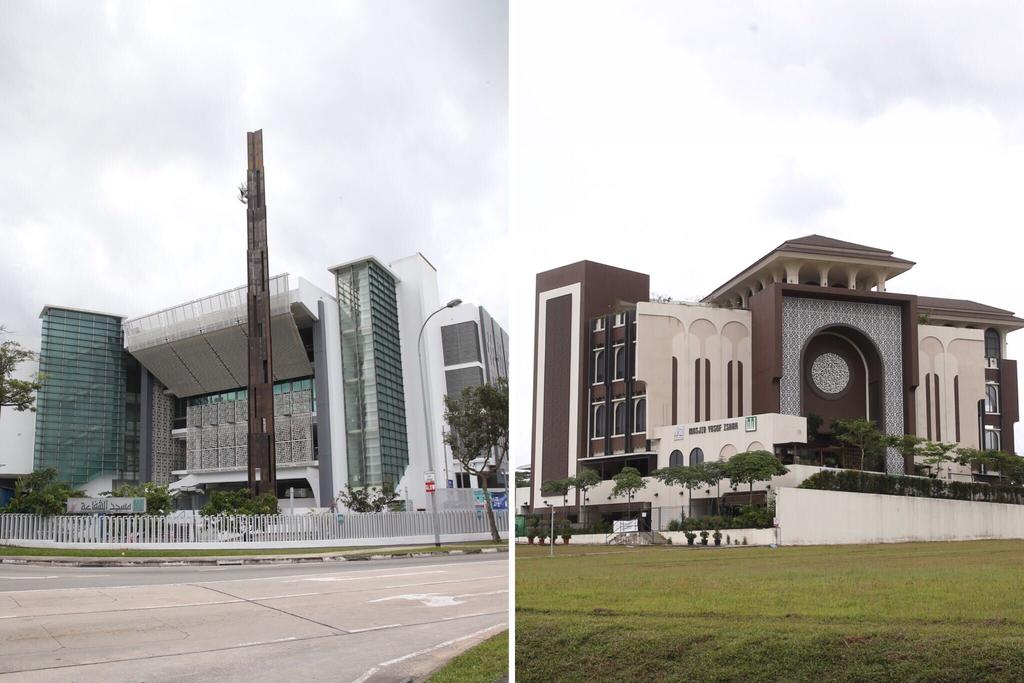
(223, 561)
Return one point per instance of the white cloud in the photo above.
(685, 140)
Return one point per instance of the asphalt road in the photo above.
(371, 621)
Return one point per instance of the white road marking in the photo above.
(372, 670)
(266, 642)
(431, 583)
(473, 595)
(428, 599)
(372, 628)
(325, 579)
(287, 595)
(27, 578)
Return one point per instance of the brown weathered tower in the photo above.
(262, 457)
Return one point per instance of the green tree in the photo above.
(41, 493)
(713, 472)
(682, 476)
(240, 502)
(369, 498)
(557, 487)
(478, 434)
(861, 434)
(584, 480)
(523, 479)
(814, 422)
(19, 394)
(158, 498)
(753, 466)
(936, 454)
(907, 445)
(1006, 465)
(627, 483)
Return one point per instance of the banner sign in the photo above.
(499, 499)
(106, 506)
(621, 526)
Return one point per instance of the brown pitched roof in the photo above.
(954, 308)
(819, 244)
(823, 246)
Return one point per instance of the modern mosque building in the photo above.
(162, 397)
(810, 329)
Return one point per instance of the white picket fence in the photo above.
(68, 531)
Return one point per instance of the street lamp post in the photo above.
(426, 414)
(552, 552)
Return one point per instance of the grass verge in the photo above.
(908, 612)
(483, 663)
(348, 551)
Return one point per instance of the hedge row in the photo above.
(748, 518)
(900, 485)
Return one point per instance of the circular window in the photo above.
(830, 373)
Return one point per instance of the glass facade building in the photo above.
(87, 421)
(377, 445)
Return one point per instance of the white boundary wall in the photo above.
(753, 536)
(810, 517)
(150, 532)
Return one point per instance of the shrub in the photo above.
(703, 538)
(240, 502)
(901, 485)
(41, 493)
(717, 536)
(690, 536)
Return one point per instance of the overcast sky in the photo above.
(686, 140)
(122, 140)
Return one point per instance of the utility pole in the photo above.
(262, 456)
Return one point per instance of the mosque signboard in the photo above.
(106, 506)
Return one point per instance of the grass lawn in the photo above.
(906, 612)
(6, 551)
(484, 663)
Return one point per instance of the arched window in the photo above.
(599, 366)
(620, 418)
(620, 362)
(599, 421)
(991, 398)
(991, 343)
(640, 416)
(675, 459)
(992, 440)
(696, 457)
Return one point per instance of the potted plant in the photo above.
(704, 538)
(565, 532)
(717, 536)
(690, 537)
(531, 534)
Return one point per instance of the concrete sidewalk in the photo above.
(217, 560)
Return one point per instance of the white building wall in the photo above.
(418, 298)
(690, 332)
(311, 296)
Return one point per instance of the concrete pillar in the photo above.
(743, 299)
(881, 280)
(793, 273)
(851, 282)
(823, 275)
(776, 276)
